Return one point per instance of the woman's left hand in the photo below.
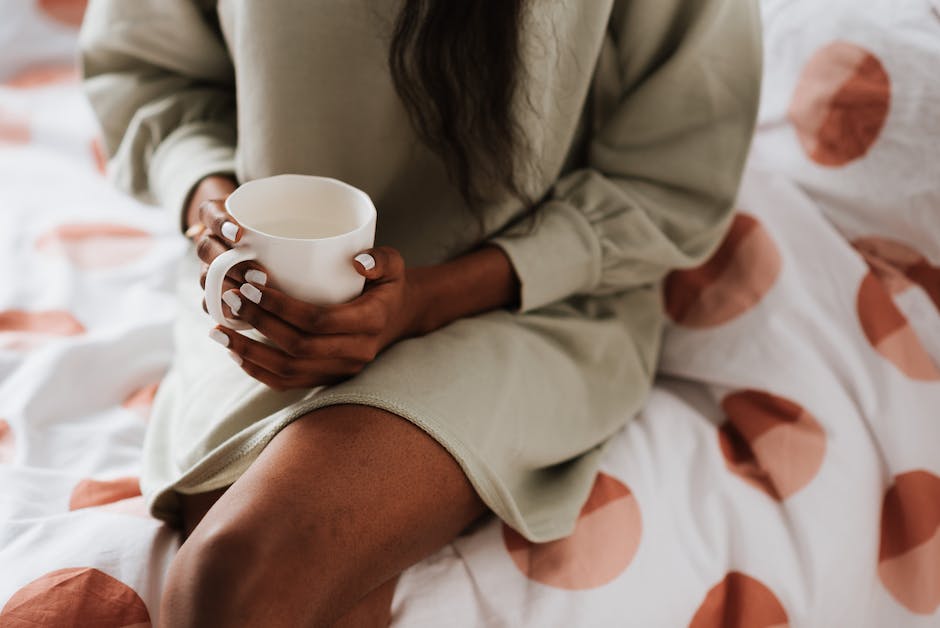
(315, 344)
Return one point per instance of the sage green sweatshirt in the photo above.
(638, 116)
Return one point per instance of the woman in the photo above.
(537, 166)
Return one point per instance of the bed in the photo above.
(784, 472)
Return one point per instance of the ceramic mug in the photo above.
(305, 231)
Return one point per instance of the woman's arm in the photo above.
(161, 83)
(675, 98)
(477, 282)
(315, 345)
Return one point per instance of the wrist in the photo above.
(474, 283)
(212, 187)
(420, 320)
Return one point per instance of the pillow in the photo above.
(850, 113)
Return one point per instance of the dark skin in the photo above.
(318, 528)
(344, 498)
(318, 344)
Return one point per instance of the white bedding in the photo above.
(786, 470)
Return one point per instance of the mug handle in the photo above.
(214, 276)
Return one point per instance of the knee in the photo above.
(214, 579)
(216, 556)
(231, 573)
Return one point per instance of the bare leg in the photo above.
(372, 610)
(195, 507)
(340, 502)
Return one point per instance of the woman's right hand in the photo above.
(214, 231)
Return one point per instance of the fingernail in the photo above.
(219, 336)
(237, 359)
(231, 298)
(367, 261)
(256, 276)
(250, 292)
(230, 230)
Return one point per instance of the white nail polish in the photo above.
(367, 261)
(256, 276)
(231, 298)
(229, 230)
(251, 293)
(237, 359)
(219, 336)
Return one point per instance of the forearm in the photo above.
(474, 283)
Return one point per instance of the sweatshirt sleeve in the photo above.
(160, 80)
(675, 99)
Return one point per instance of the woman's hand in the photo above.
(316, 345)
(214, 230)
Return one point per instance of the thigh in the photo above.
(339, 502)
(194, 507)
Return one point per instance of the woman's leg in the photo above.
(340, 501)
(194, 508)
(374, 609)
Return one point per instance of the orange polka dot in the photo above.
(43, 75)
(840, 104)
(56, 322)
(14, 129)
(740, 601)
(889, 332)
(76, 596)
(887, 260)
(899, 267)
(141, 400)
(99, 156)
(771, 442)
(602, 546)
(90, 492)
(909, 556)
(6, 442)
(68, 12)
(21, 330)
(735, 279)
(96, 245)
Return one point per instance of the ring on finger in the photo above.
(195, 230)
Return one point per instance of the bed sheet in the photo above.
(785, 470)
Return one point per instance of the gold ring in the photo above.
(195, 230)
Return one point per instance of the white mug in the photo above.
(305, 231)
